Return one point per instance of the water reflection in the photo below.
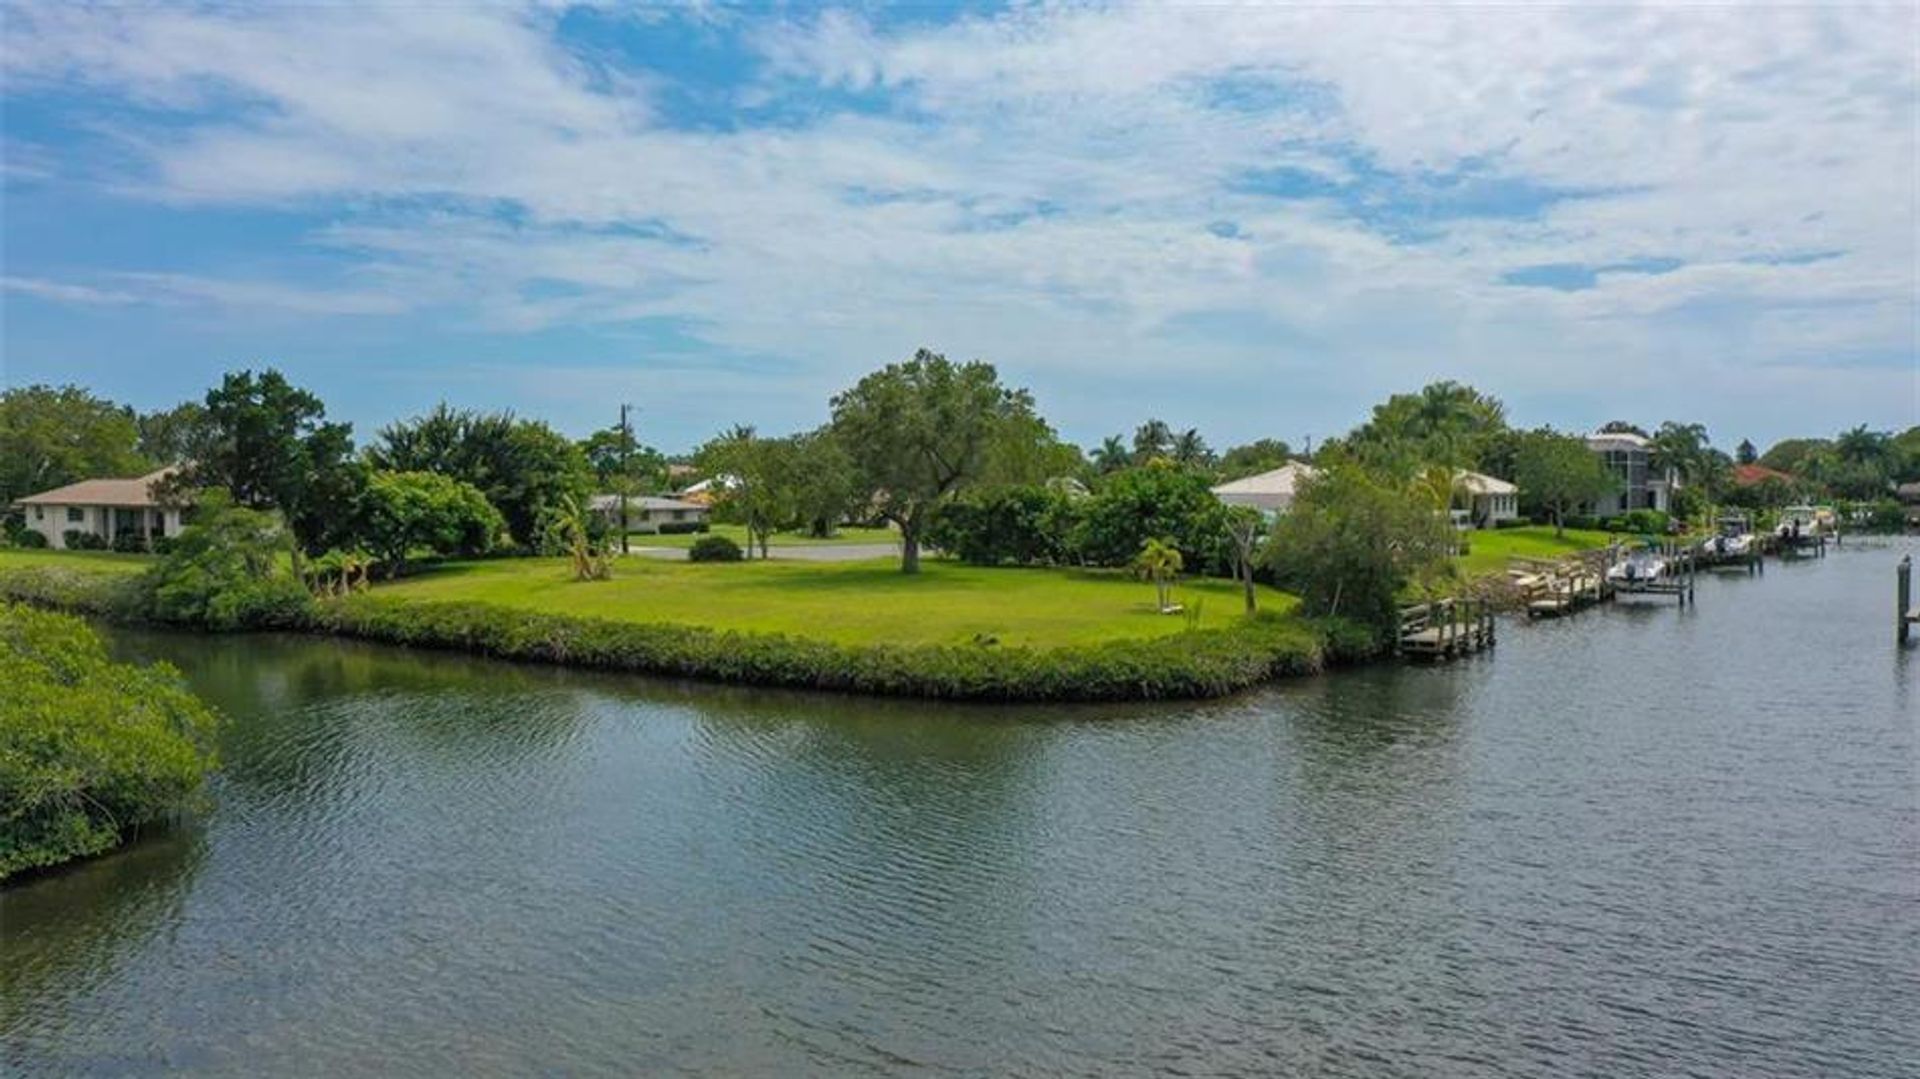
(1640, 842)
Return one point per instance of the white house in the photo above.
(648, 513)
(104, 508)
(1490, 500)
(1269, 492)
(1630, 457)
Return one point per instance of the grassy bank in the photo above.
(845, 603)
(1491, 549)
(954, 632)
(86, 561)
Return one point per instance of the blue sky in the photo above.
(1257, 221)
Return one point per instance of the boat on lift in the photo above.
(1641, 566)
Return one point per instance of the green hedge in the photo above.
(1200, 663)
(1204, 663)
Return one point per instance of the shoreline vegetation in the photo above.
(1165, 658)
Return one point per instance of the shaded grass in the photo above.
(738, 534)
(1491, 549)
(846, 603)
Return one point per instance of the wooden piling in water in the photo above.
(1906, 613)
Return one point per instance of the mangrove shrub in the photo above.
(89, 749)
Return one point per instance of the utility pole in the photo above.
(626, 471)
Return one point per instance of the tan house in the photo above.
(104, 508)
(651, 514)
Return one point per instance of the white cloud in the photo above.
(1038, 189)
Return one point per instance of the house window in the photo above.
(679, 515)
(39, 513)
(76, 515)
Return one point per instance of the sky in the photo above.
(1253, 220)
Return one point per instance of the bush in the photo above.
(682, 528)
(130, 543)
(714, 549)
(165, 544)
(1650, 522)
(1022, 525)
(225, 572)
(1154, 502)
(31, 539)
(77, 540)
(91, 749)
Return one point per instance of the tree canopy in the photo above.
(269, 446)
(1446, 423)
(524, 467)
(52, 436)
(919, 432)
(1354, 539)
(403, 512)
(1557, 473)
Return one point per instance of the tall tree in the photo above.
(404, 512)
(1682, 448)
(524, 467)
(1354, 540)
(1558, 473)
(270, 447)
(1446, 423)
(1745, 453)
(919, 432)
(52, 436)
(176, 435)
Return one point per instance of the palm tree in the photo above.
(1159, 562)
(573, 527)
(1190, 450)
(1151, 439)
(1111, 455)
(1860, 446)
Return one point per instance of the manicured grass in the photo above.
(1492, 548)
(845, 603)
(94, 561)
(738, 534)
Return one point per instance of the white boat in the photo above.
(1642, 566)
(1734, 540)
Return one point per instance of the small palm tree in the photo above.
(1190, 450)
(573, 528)
(1159, 562)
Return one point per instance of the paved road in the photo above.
(826, 552)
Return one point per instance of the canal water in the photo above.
(1644, 841)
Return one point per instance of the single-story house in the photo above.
(1490, 500)
(1269, 492)
(104, 508)
(647, 513)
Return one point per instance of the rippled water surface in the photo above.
(1641, 842)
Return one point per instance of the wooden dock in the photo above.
(1550, 588)
(1677, 580)
(1446, 629)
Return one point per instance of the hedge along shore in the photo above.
(1192, 665)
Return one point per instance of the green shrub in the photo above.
(225, 571)
(89, 749)
(1649, 522)
(1022, 525)
(130, 542)
(165, 544)
(31, 539)
(76, 540)
(681, 528)
(714, 549)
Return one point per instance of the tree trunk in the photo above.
(909, 549)
(1559, 522)
(1246, 582)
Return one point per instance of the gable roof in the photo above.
(1479, 483)
(1272, 490)
(137, 491)
(643, 502)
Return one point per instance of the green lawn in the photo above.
(1492, 548)
(738, 534)
(848, 602)
(102, 561)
